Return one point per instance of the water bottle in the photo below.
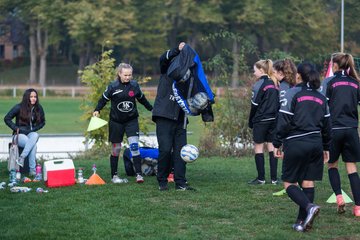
(80, 176)
(12, 176)
(94, 168)
(38, 171)
(18, 176)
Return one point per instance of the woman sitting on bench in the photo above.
(29, 118)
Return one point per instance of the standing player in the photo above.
(304, 130)
(264, 109)
(343, 93)
(123, 93)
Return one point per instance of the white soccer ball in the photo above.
(189, 153)
(146, 169)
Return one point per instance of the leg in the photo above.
(260, 162)
(28, 142)
(135, 152)
(273, 163)
(334, 178)
(179, 164)
(355, 185)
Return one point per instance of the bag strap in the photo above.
(16, 137)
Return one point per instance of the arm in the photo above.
(10, 116)
(166, 58)
(145, 102)
(103, 100)
(251, 115)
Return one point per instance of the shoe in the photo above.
(163, 187)
(170, 177)
(139, 178)
(116, 179)
(37, 178)
(184, 188)
(20, 162)
(356, 211)
(340, 204)
(32, 173)
(298, 227)
(312, 211)
(257, 181)
(276, 182)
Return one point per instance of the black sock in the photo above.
(297, 196)
(355, 187)
(273, 166)
(137, 164)
(310, 194)
(259, 160)
(114, 165)
(335, 182)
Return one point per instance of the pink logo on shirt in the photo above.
(268, 87)
(131, 93)
(337, 84)
(310, 98)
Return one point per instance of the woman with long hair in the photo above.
(343, 93)
(303, 130)
(29, 118)
(264, 109)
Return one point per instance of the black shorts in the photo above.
(263, 131)
(303, 159)
(345, 142)
(117, 130)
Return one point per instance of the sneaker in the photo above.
(184, 188)
(276, 182)
(356, 211)
(37, 178)
(170, 177)
(298, 227)
(312, 211)
(257, 181)
(163, 187)
(20, 162)
(139, 178)
(116, 179)
(340, 204)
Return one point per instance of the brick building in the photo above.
(12, 39)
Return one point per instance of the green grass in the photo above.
(224, 207)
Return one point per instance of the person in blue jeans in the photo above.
(29, 118)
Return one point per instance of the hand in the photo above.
(278, 153)
(181, 45)
(326, 155)
(96, 114)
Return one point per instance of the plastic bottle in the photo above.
(12, 176)
(18, 176)
(94, 168)
(80, 176)
(38, 172)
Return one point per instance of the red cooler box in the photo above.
(59, 173)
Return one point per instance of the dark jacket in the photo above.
(123, 100)
(24, 128)
(305, 112)
(165, 104)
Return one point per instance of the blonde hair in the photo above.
(122, 66)
(345, 61)
(267, 66)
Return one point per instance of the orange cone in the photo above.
(95, 180)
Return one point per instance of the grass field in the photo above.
(224, 207)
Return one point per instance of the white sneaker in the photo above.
(139, 178)
(116, 179)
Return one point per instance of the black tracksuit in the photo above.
(170, 131)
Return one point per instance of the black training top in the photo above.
(306, 112)
(123, 103)
(343, 94)
(264, 101)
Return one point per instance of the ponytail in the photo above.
(313, 79)
(345, 61)
(267, 67)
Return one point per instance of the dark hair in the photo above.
(288, 68)
(313, 79)
(25, 107)
(345, 61)
(304, 68)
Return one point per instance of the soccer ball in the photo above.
(146, 169)
(189, 153)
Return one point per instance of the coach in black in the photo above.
(123, 93)
(170, 130)
(304, 130)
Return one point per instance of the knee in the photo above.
(115, 149)
(333, 165)
(33, 136)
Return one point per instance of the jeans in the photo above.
(28, 142)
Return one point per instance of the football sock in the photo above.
(137, 164)
(297, 196)
(310, 194)
(114, 165)
(335, 182)
(259, 160)
(273, 166)
(355, 187)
